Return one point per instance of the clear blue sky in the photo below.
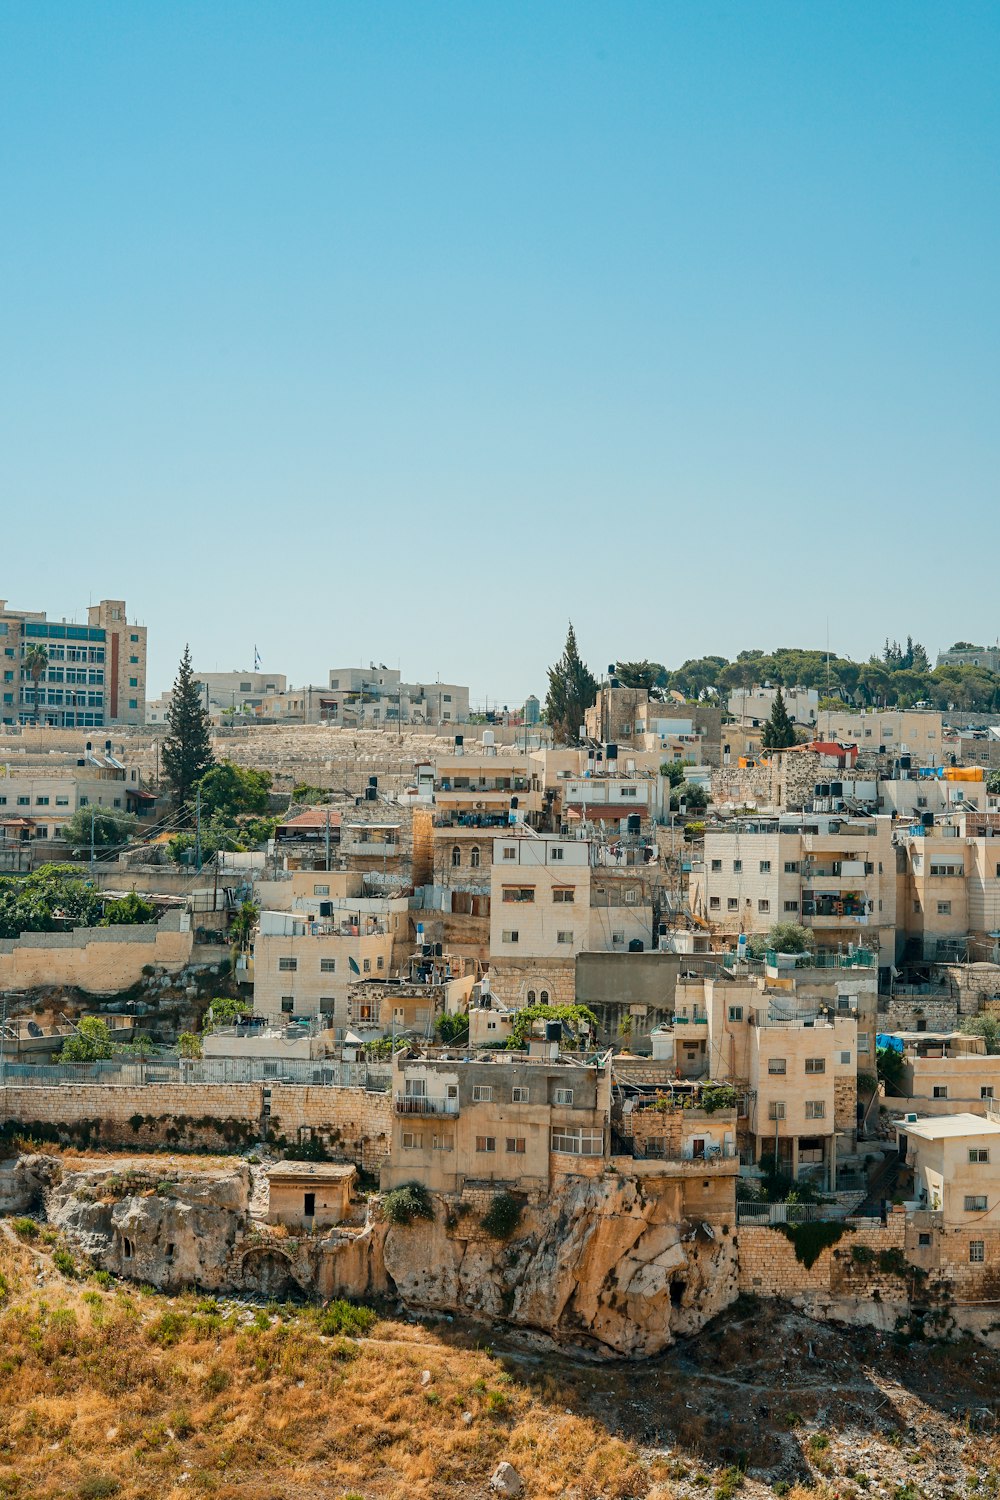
(407, 331)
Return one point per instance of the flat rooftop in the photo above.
(951, 1127)
(310, 1171)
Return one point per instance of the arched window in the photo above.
(544, 998)
(474, 857)
(531, 997)
(128, 1249)
(456, 857)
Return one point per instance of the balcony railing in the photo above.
(861, 958)
(414, 1104)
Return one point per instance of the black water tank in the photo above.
(611, 752)
(371, 794)
(634, 823)
(326, 908)
(836, 788)
(373, 781)
(927, 819)
(635, 946)
(904, 762)
(553, 1031)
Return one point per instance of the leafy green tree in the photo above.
(674, 771)
(187, 748)
(128, 911)
(790, 937)
(578, 1020)
(779, 731)
(451, 1028)
(691, 794)
(572, 690)
(90, 1043)
(226, 1010)
(52, 897)
(993, 783)
(232, 790)
(890, 1068)
(988, 1027)
(111, 828)
(189, 1044)
(36, 660)
(244, 920)
(648, 675)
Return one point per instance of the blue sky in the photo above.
(407, 332)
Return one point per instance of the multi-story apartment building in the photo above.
(39, 804)
(972, 656)
(226, 694)
(915, 732)
(835, 875)
(374, 695)
(752, 706)
(95, 674)
(305, 965)
(507, 1120)
(552, 898)
(949, 889)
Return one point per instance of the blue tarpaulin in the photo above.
(885, 1042)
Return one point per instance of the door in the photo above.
(310, 1208)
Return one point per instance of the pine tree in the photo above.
(779, 731)
(187, 749)
(572, 690)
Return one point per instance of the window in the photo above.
(977, 1251)
(618, 939)
(791, 906)
(564, 936)
(519, 893)
(776, 1109)
(509, 852)
(510, 936)
(975, 1203)
(815, 1109)
(863, 1042)
(628, 791)
(578, 1142)
(563, 1096)
(532, 997)
(133, 682)
(41, 801)
(474, 856)
(516, 1145)
(732, 904)
(791, 867)
(845, 1059)
(736, 1012)
(519, 1094)
(631, 897)
(944, 908)
(543, 998)
(765, 867)
(456, 859)
(288, 965)
(328, 966)
(763, 905)
(986, 1091)
(410, 1141)
(940, 1091)
(486, 1143)
(128, 1249)
(563, 895)
(714, 903)
(815, 1064)
(716, 866)
(923, 1239)
(556, 853)
(482, 1093)
(445, 1142)
(23, 801)
(366, 965)
(978, 1154)
(380, 962)
(287, 1004)
(737, 867)
(321, 890)
(776, 1065)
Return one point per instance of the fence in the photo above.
(139, 1073)
(764, 1214)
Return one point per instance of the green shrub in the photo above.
(893, 1262)
(729, 1482)
(64, 1262)
(103, 1278)
(168, 1329)
(718, 1096)
(502, 1217)
(25, 1229)
(346, 1318)
(862, 1254)
(404, 1204)
(97, 1487)
(812, 1238)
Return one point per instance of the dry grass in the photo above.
(119, 1393)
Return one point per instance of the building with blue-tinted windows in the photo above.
(72, 676)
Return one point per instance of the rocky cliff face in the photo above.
(599, 1265)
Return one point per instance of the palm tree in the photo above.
(36, 659)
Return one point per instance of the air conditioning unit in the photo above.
(911, 1119)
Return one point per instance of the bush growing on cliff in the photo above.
(404, 1204)
(503, 1216)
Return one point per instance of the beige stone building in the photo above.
(305, 966)
(955, 1166)
(504, 1120)
(915, 732)
(552, 898)
(833, 874)
(309, 1195)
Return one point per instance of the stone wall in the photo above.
(785, 781)
(351, 1123)
(98, 960)
(905, 1012)
(511, 979)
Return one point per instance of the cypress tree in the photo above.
(779, 731)
(187, 749)
(572, 690)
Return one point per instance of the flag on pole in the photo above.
(256, 659)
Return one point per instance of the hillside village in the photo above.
(587, 1025)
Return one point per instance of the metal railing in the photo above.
(137, 1074)
(411, 1104)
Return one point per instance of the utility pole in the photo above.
(197, 834)
(91, 841)
(327, 838)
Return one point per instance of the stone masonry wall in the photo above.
(349, 1122)
(769, 1268)
(904, 1013)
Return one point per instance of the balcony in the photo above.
(861, 958)
(414, 1104)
